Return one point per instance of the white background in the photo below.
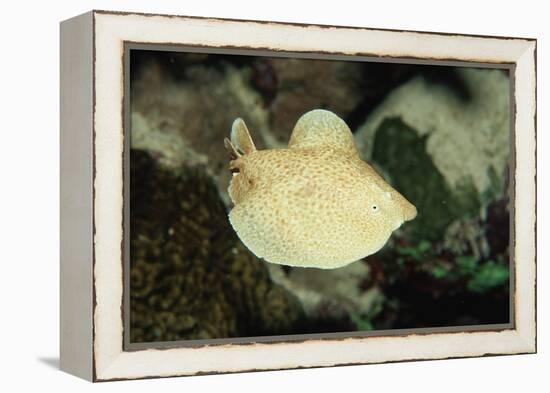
(29, 197)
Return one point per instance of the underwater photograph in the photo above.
(274, 196)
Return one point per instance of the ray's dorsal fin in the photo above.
(322, 128)
(240, 137)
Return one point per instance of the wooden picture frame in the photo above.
(93, 193)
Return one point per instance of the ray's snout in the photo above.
(408, 210)
(405, 210)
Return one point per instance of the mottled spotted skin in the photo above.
(315, 204)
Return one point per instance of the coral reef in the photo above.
(190, 278)
(446, 148)
(425, 286)
(439, 135)
(467, 131)
(333, 295)
(402, 155)
(182, 121)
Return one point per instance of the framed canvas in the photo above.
(246, 195)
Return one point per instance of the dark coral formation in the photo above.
(190, 278)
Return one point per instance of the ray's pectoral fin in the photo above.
(241, 140)
(322, 128)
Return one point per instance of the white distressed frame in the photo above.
(108, 359)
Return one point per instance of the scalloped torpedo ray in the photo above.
(314, 204)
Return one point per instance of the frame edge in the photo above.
(76, 179)
(527, 123)
(115, 365)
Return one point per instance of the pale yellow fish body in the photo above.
(314, 204)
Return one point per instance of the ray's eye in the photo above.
(375, 208)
